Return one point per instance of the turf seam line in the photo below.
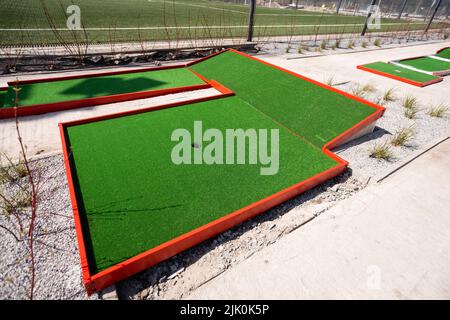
(398, 64)
(439, 58)
(282, 125)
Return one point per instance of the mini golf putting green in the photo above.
(444, 53)
(399, 73)
(426, 64)
(134, 207)
(98, 86)
(315, 113)
(136, 198)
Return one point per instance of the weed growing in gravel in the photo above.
(409, 102)
(438, 111)
(377, 43)
(323, 45)
(369, 88)
(288, 49)
(381, 151)
(12, 171)
(299, 50)
(402, 136)
(337, 43)
(351, 44)
(358, 91)
(411, 113)
(364, 44)
(388, 95)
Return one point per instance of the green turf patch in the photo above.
(315, 113)
(2, 98)
(427, 64)
(444, 53)
(76, 89)
(133, 196)
(400, 72)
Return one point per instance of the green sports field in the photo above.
(444, 53)
(132, 197)
(28, 22)
(82, 88)
(427, 64)
(400, 72)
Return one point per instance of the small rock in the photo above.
(335, 188)
(173, 275)
(144, 293)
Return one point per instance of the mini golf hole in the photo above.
(195, 145)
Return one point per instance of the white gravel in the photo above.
(58, 272)
(427, 130)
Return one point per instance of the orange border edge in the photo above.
(411, 82)
(151, 257)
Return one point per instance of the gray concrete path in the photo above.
(391, 240)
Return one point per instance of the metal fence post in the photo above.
(368, 17)
(434, 13)
(251, 18)
(402, 9)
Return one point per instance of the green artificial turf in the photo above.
(444, 53)
(133, 196)
(400, 72)
(2, 98)
(427, 64)
(76, 89)
(315, 113)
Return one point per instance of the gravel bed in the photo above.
(58, 272)
(307, 46)
(427, 129)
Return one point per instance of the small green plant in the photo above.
(402, 136)
(411, 113)
(364, 44)
(438, 111)
(24, 200)
(377, 42)
(388, 95)
(381, 151)
(20, 170)
(299, 50)
(409, 102)
(288, 49)
(323, 45)
(351, 44)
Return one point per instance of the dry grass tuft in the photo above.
(381, 151)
